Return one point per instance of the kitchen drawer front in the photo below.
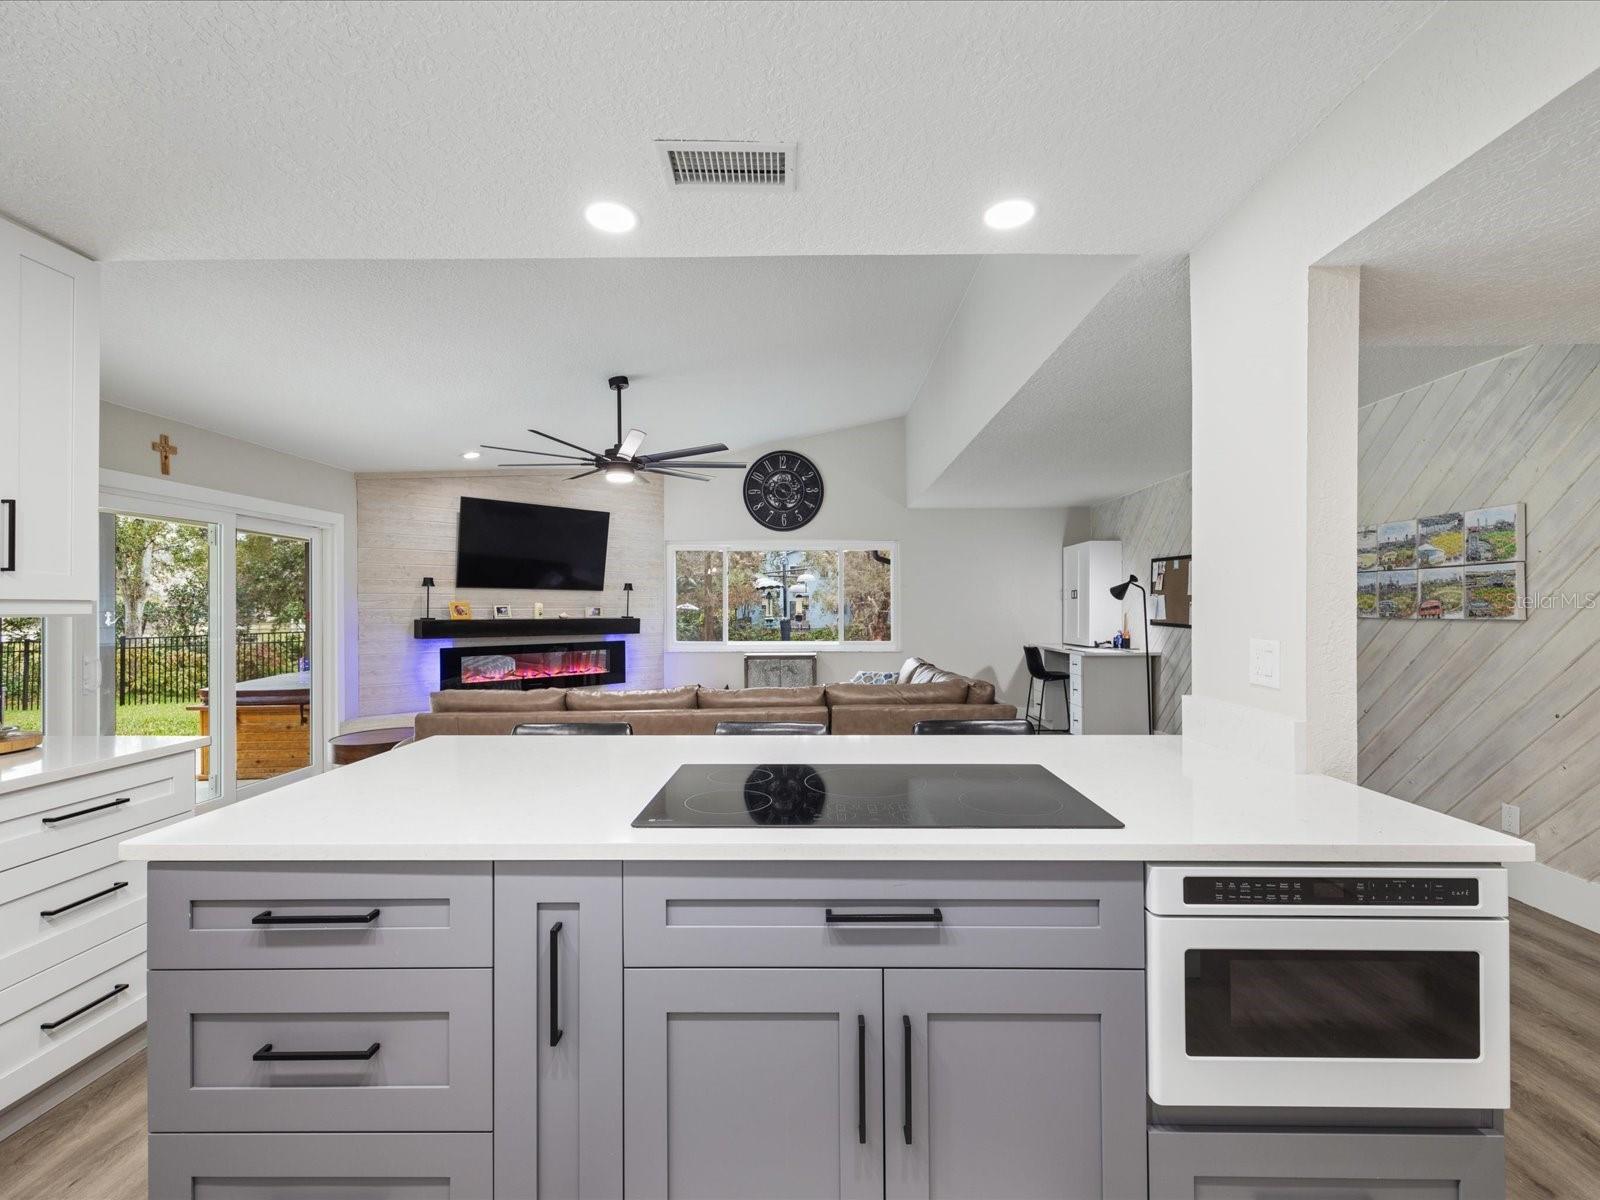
(320, 1166)
(938, 915)
(431, 1069)
(1335, 1165)
(206, 917)
(56, 817)
(91, 1000)
(65, 904)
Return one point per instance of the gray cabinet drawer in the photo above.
(1335, 1165)
(224, 1047)
(312, 1166)
(932, 915)
(254, 915)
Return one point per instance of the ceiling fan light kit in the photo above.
(622, 463)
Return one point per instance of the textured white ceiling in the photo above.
(1107, 413)
(1389, 370)
(435, 129)
(1504, 250)
(402, 365)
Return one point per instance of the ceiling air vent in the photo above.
(768, 166)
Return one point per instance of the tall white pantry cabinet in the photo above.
(1088, 612)
(49, 425)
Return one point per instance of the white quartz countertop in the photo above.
(574, 798)
(68, 757)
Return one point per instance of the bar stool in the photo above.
(575, 728)
(977, 727)
(762, 728)
(1039, 673)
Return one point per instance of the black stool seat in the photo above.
(1044, 677)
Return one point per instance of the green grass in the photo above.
(157, 720)
(22, 718)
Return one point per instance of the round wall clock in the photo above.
(783, 490)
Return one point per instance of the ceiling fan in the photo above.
(622, 463)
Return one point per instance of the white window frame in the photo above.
(762, 545)
(122, 491)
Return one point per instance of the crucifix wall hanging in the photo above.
(166, 448)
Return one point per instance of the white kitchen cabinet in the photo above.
(1088, 612)
(49, 425)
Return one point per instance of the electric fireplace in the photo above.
(533, 665)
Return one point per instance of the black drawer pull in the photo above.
(266, 918)
(78, 1012)
(56, 912)
(905, 1085)
(861, 1079)
(268, 1054)
(555, 985)
(933, 916)
(10, 536)
(84, 812)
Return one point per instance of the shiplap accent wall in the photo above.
(1464, 715)
(406, 529)
(1150, 524)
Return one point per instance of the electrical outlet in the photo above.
(1511, 818)
(1264, 662)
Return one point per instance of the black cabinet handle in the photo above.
(78, 1012)
(934, 915)
(11, 535)
(84, 812)
(267, 918)
(861, 1079)
(56, 912)
(905, 1085)
(268, 1054)
(555, 985)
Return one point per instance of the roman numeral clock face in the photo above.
(783, 490)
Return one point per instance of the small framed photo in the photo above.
(502, 612)
(1496, 535)
(594, 610)
(1397, 546)
(1367, 592)
(460, 610)
(1367, 549)
(1495, 592)
(1397, 594)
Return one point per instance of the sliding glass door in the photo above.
(197, 641)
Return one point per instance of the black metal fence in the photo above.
(156, 670)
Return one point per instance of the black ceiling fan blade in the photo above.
(546, 453)
(676, 474)
(566, 466)
(582, 474)
(689, 452)
(710, 466)
(586, 451)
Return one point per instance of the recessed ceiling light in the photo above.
(469, 455)
(1009, 214)
(610, 217)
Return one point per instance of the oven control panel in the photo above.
(1290, 890)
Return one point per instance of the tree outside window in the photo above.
(808, 594)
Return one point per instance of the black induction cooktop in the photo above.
(877, 796)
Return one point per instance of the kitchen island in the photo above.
(464, 962)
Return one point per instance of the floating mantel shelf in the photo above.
(422, 627)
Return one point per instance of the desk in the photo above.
(1106, 690)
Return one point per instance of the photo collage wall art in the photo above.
(1467, 565)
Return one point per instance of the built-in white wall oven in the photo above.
(1328, 987)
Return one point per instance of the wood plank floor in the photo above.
(92, 1147)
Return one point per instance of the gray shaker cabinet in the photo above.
(1025, 1084)
(754, 1084)
(558, 1031)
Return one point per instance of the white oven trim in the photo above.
(1164, 891)
(1179, 1080)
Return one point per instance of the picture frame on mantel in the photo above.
(1172, 584)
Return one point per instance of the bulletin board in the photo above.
(1171, 590)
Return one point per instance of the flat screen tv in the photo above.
(506, 545)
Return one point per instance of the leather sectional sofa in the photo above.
(923, 692)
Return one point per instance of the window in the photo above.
(22, 673)
(831, 595)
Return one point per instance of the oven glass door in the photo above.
(1332, 1004)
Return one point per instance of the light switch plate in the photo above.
(1511, 818)
(1264, 662)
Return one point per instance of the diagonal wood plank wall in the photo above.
(1464, 716)
(1150, 523)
